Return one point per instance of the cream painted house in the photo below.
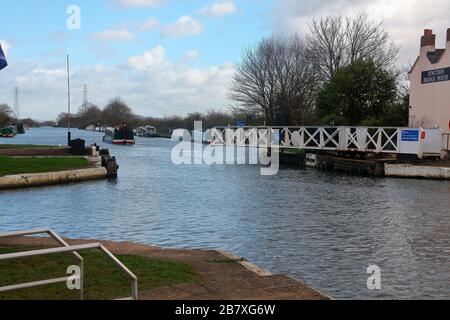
(430, 85)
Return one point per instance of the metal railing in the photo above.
(447, 138)
(65, 248)
(363, 139)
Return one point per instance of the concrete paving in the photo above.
(437, 170)
(219, 277)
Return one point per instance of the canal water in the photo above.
(322, 228)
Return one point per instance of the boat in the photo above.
(194, 136)
(147, 132)
(122, 135)
(7, 132)
(203, 136)
(19, 128)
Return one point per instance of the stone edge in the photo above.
(51, 178)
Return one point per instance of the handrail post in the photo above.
(134, 289)
(65, 248)
(81, 280)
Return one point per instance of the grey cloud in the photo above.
(404, 20)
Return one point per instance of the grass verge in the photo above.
(294, 151)
(103, 280)
(24, 146)
(16, 165)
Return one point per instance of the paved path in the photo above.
(220, 277)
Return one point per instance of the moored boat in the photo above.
(122, 135)
(7, 132)
(147, 132)
(19, 128)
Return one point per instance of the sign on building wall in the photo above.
(437, 75)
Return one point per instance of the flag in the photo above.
(3, 62)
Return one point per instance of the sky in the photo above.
(166, 57)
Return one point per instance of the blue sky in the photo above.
(167, 57)
(36, 39)
(38, 28)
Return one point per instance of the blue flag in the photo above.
(3, 62)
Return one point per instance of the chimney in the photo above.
(448, 39)
(428, 41)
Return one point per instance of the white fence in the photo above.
(356, 139)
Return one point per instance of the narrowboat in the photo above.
(122, 135)
(147, 132)
(7, 132)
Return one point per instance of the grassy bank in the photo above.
(103, 281)
(24, 146)
(293, 151)
(16, 165)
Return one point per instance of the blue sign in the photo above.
(240, 123)
(437, 75)
(410, 135)
(3, 62)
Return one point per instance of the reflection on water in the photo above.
(322, 228)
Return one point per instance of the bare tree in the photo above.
(298, 82)
(326, 46)
(6, 114)
(335, 42)
(367, 39)
(274, 78)
(89, 114)
(254, 84)
(117, 112)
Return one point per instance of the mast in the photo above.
(69, 135)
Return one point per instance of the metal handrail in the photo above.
(448, 140)
(53, 235)
(64, 249)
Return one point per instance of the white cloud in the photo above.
(119, 34)
(191, 55)
(5, 45)
(185, 25)
(404, 20)
(150, 83)
(141, 3)
(219, 9)
(153, 58)
(150, 24)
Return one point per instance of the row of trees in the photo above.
(209, 119)
(114, 113)
(6, 115)
(117, 111)
(342, 72)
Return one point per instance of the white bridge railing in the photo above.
(446, 141)
(357, 139)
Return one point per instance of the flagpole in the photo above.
(69, 135)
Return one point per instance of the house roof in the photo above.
(414, 65)
(435, 56)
